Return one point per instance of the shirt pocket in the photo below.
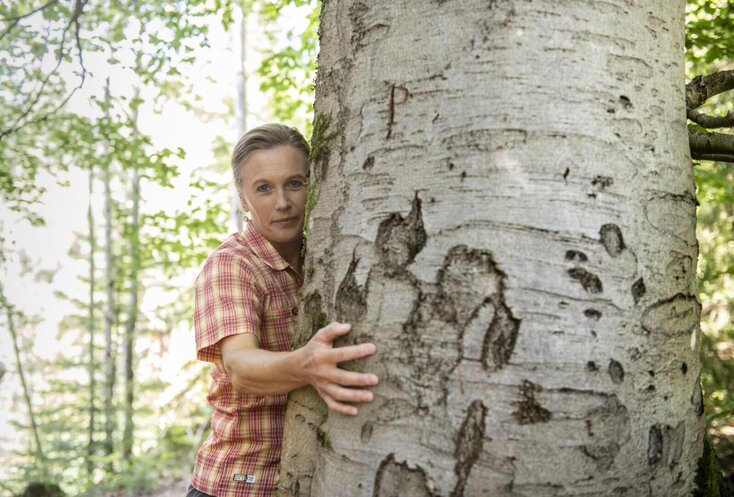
(277, 328)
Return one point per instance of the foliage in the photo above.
(287, 72)
(710, 24)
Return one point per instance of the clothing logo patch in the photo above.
(244, 478)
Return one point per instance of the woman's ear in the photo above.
(243, 206)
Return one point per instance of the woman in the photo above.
(245, 310)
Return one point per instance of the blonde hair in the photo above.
(264, 137)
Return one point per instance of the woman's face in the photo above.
(274, 194)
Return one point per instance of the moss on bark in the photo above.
(709, 480)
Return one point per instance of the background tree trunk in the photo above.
(9, 316)
(91, 367)
(508, 212)
(132, 310)
(241, 108)
(109, 313)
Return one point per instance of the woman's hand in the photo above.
(333, 384)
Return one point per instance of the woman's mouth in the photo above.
(286, 221)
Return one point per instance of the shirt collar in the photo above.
(262, 248)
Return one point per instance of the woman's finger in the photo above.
(335, 406)
(351, 352)
(354, 379)
(341, 394)
(332, 331)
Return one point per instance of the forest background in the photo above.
(115, 132)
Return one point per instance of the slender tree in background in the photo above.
(109, 312)
(40, 459)
(132, 310)
(241, 107)
(92, 364)
(509, 215)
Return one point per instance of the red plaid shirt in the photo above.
(245, 286)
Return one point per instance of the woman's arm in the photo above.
(261, 372)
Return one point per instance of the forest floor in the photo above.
(176, 488)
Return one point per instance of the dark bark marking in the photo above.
(654, 444)
(591, 366)
(602, 181)
(697, 397)
(576, 256)
(351, 301)
(589, 281)
(625, 101)
(486, 140)
(529, 411)
(616, 371)
(592, 314)
(471, 280)
(603, 455)
(566, 173)
(684, 368)
(675, 316)
(611, 238)
(499, 342)
(313, 308)
(368, 164)
(607, 425)
(665, 444)
(393, 104)
(361, 29)
(469, 444)
(400, 239)
(634, 353)
(395, 479)
(366, 433)
(638, 290)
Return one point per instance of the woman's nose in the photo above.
(283, 201)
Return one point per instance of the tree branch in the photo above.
(15, 20)
(701, 88)
(711, 146)
(707, 121)
(74, 21)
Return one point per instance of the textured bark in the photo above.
(508, 212)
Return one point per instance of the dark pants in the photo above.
(195, 493)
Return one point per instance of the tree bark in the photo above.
(508, 212)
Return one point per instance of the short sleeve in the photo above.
(227, 301)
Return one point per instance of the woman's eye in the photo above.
(263, 188)
(295, 184)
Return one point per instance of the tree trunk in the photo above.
(241, 108)
(91, 328)
(9, 311)
(508, 212)
(109, 313)
(132, 313)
